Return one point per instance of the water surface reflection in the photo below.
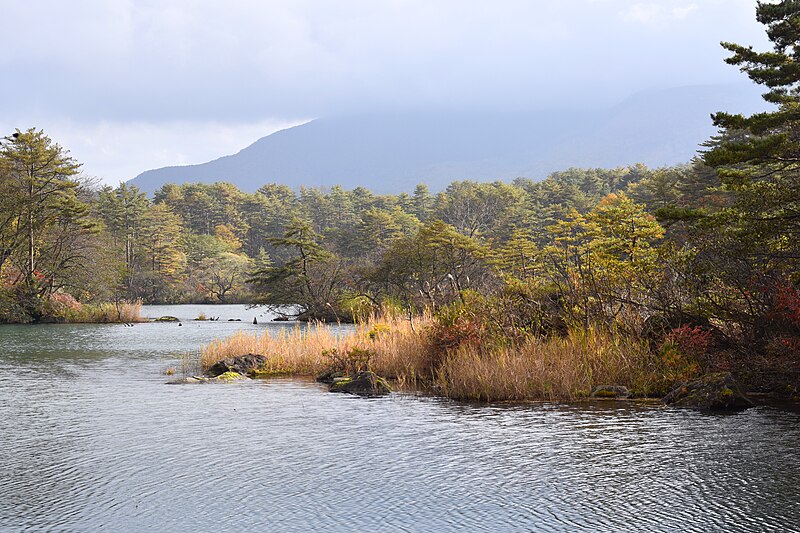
(92, 438)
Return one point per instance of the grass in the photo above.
(126, 312)
(395, 348)
(553, 369)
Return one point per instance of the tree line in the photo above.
(622, 245)
(61, 233)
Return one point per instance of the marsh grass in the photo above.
(396, 350)
(552, 369)
(126, 312)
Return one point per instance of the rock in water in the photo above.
(714, 392)
(610, 392)
(363, 384)
(187, 380)
(230, 376)
(243, 364)
(329, 376)
(222, 378)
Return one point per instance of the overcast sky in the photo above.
(129, 85)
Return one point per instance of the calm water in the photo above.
(92, 438)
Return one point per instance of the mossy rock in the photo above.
(167, 318)
(263, 373)
(610, 392)
(227, 377)
(242, 364)
(230, 376)
(362, 384)
(329, 376)
(713, 392)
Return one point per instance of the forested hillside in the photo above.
(198, 242)
(389, 152)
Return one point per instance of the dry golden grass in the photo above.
(398, 351)
(126, 312)
(553, 369)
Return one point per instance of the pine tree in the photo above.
(753, 245)
(37, 191)
(758, 157)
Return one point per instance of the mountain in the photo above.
(392, 152)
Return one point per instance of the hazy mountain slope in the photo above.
(393, 152)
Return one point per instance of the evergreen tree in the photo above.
(752, 245)
(758, 157)
(163, 260)
(312, 278)
(41, 215)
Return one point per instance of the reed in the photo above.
(397, 349)
(552, 369)
(126, 312)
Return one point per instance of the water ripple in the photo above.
(92, 439)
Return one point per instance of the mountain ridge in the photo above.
(392, 152)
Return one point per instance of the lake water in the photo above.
(93, 439)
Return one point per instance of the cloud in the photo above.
(179, 60)
(683, 12)
(118, 151)
(164, 72)
(650, 13)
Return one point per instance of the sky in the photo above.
(130, 85)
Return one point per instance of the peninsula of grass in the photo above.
(411, 355)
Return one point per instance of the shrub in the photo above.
(684, 353)
(353, 361)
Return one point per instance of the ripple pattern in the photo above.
(91, 438)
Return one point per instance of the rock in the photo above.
(363, 384)
(167, 319)
(243, 364)
(222, 378)
(610, 392)
(188, 380)
(281, 319)
(786, 392)
(230, 376)
(718, 391)
(329, 376)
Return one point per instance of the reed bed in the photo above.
(126, 312)
(551, 369)
(397, 348)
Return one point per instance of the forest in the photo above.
(698, 263)
(330, 251)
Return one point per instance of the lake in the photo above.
(92, 438)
